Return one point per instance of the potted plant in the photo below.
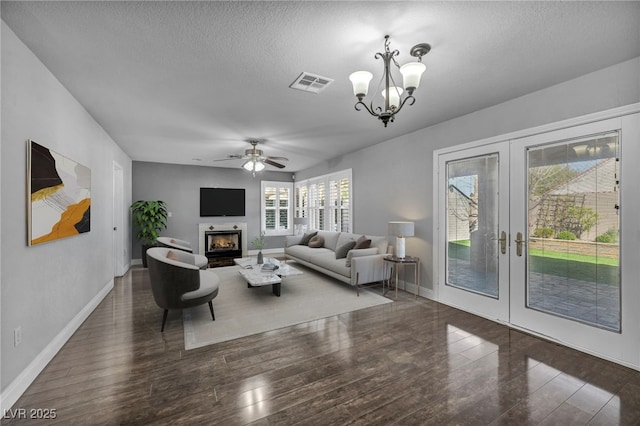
(150, 217)
(259, 243)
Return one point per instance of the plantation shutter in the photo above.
(270, 208)
(326, 201)
(316, 205)
(276, 208)
(284, 222)
(301, 201)
(340, 208)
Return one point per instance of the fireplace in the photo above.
(221, 247)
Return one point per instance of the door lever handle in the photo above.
(519, 242)
(503, 242)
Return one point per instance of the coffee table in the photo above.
(257, 277)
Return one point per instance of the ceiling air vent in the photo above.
(311, 82)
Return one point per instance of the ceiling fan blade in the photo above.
(232, 157)
(273, 163)
(256, 155)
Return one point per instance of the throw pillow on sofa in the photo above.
(306, 237)
(362, 243)
(341, 252)
(316, 241)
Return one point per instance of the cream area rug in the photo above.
(241, 311)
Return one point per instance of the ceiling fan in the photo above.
(256, 160)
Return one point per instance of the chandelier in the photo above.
(392, 94)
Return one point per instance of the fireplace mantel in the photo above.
(204, 227)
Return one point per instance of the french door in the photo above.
(533, 232)
(474, 188)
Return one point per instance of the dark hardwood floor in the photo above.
(413, 362)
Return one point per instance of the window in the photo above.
(340, 203)
(276, 208)
(326, 201)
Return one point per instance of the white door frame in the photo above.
(119, 251)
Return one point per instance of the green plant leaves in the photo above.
(150, 217)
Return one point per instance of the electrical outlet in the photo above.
(17, 336)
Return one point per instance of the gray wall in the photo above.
(179, 186)
(393, 180)
(45, 287)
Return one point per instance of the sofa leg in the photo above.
(164, 319)
(357, 285)
(211, 309)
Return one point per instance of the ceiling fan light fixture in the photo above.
(254, 160)
(253, 166)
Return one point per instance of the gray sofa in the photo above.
(361, 266)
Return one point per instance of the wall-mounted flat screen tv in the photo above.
(222, 202)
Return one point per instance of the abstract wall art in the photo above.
(59, 191)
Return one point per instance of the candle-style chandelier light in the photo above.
(393, 100)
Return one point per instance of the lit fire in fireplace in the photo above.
(222, 243)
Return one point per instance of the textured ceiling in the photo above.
(177, 81)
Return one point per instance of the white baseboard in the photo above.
(125, 269)
(422, 292)
(427, 293)
(20, 384)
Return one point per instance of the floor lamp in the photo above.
(400, 230)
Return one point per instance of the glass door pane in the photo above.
(472, 225)
(573, 202)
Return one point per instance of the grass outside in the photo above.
(574, 257)
(580, 267)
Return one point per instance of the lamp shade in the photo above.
(300, 220)
(360, 81)
(401, 229)
(394, 96)
(411, 74)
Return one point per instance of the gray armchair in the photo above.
(175, 243)
(199, 260)
(177, 284)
